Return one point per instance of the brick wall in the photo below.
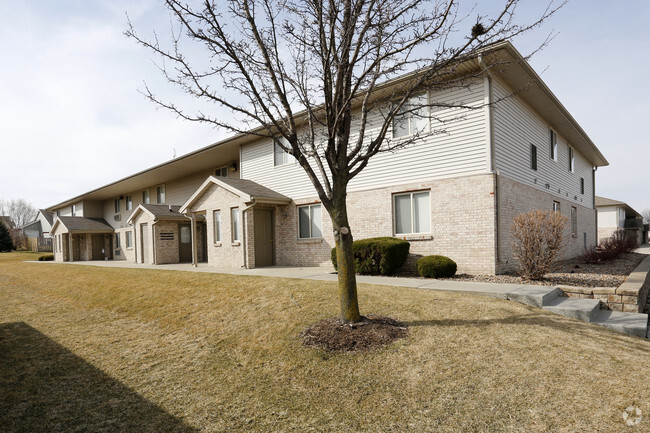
(516, 198)
(166, 249)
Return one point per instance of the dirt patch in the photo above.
(372, 332)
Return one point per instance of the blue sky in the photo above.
(73, 120)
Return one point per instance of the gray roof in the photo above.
(602, 201)
(162, 211)
(81, 224)
(255, 190)
(49, 216)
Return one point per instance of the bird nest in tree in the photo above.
(372, 332)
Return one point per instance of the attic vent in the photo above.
(117, 217)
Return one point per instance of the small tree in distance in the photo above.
(6, 244)
(538, 241)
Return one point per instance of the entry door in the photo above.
(185, 243)
(97, 247)
(263, 237)
(146, 245)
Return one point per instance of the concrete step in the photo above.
(535, 296)
(628, 323)
(576, 308)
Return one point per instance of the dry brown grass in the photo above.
(128, 350)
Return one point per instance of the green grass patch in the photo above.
(92, 349)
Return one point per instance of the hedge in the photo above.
(46, 258)
(377, 255)
(436, 267)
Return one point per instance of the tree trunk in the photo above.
(345, 262)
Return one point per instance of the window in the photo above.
(128, 204)
(310, 221)
(74, 210)
(234, 221)
(160, 194)
(574, 221)
(412, 213)
(533, 157)
(221, 172)
(217, 226)
(145, 196)
(571, 159)
(117, 205)
(117, 241)
(129, 239)
(412, 118)
(553, 144)
(556, 206)
(582, 185)
(280, 156)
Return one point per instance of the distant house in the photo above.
(41, 226)
(614, 215)
(244, 202)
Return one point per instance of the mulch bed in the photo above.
(372, 332)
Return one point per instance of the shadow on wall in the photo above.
(46, 388)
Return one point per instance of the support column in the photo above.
(193, 230)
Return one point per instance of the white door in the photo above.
(146, 245)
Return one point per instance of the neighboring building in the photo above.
(240, 202)
(614, 215)
(41, 226)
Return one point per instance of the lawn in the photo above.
(127, 350)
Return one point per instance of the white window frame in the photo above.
(129, 239)
(553, 144)
(410, 116)
(145, 196)
(117, 205)
(413, 213)
(160, 194)
(118, 241)
(571, 159)
(310, 214)
(285, 156)
(73, 210)
(557, 207)
(216, 226)
(128, 202)
(574, 221)
(235, 216)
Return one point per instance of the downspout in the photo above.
(491, 153)
(593, 202)
(243, 229)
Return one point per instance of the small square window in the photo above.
(310, 221)
(412, 118)
(221, 172)
(280, 156)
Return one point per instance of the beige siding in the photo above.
(93, 209)
(516, 127)
(458, 147)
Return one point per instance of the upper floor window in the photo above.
(145, 196)
(571, 159)
(582, 185)
(234, 223)
(128, 203)
(412, 213)
(160, 194)
(280, 156)
(310, 221)
(221, 172)
(556, 206)
(553, 144)
(412, 118)
(117, 205)
(533, 157)
(74, 210)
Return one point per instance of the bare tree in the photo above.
(327, 80)
(646, 215)
(19, 211)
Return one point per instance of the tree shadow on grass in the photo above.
(46, 388)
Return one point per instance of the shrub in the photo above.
(538, 241)
(46, 258)
(6, 243)
(377, 255)
(610, 248)
(436, 267)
